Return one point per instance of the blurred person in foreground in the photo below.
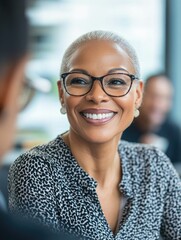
(86, 180)
(13, 57)
(153, 125)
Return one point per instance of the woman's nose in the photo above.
(97, 93)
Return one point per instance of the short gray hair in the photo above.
(100, 35)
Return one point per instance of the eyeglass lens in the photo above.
(116, 84)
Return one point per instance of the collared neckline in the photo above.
(78, 176)
(82, 178)
(126, 184)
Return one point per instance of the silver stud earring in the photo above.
(63, 109)
(136, 113)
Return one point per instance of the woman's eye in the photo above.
(116, 82)
(78, 81)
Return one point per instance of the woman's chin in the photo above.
(99, 137)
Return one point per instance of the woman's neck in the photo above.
(100, 161)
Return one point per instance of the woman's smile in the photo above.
(97, 116)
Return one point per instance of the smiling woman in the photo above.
(87, 181)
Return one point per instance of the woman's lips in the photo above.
(97, 115)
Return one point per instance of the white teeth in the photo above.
(98, 116)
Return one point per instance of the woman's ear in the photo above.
(60, 91)
(139, 93)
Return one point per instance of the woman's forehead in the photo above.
(100, 46)
(100, 54)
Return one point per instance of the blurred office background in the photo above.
(151, 26)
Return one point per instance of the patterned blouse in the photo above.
(47, 183)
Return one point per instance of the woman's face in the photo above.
(98, 57)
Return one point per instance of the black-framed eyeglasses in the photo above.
(114, 84)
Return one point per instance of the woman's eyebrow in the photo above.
(79, 70)
(110, 71)
(117, 69)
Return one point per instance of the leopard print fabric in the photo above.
(47, 184)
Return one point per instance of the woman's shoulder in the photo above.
(139, 150)
(145, 157)
(42, 154)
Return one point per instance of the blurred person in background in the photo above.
(86, 180)
(13, 57)
(154, 125)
